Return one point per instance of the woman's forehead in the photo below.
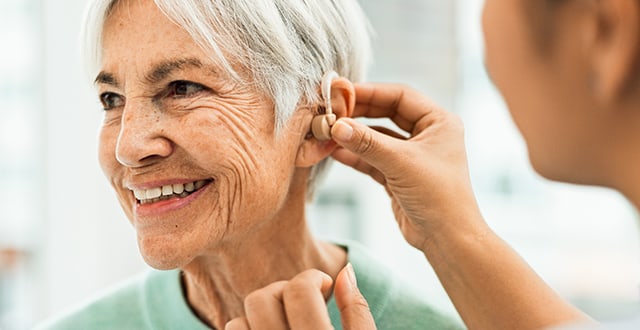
(140, 35)
(142, 24)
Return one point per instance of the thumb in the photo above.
(374, 147)
(354, 309)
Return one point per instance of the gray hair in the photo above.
(285, 45)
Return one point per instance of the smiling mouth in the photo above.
(147, 196)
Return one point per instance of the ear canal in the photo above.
(321, 124)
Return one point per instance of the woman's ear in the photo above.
(343, 101)
(343, 97)
(616, 48)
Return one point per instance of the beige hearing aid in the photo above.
(321, 124)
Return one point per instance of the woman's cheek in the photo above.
(240, 176)
(249, 192)
(234, 204)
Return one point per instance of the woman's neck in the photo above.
(216, 285)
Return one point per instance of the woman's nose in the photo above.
(142, 140)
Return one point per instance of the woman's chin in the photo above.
(162, 254)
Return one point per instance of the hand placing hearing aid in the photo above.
(321, 124)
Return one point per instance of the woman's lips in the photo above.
(159, 200)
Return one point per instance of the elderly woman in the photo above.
(206, 142)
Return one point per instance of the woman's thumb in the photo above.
(370, 145)
(354, 310)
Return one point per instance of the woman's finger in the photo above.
(374, 149)
(305, 301)
(403, 105)
(354, 161)
(354, 309)
(264, 308)
(388, 131)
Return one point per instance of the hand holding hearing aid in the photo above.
(425, 173)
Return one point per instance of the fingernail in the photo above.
(342, 131)
(351, 275)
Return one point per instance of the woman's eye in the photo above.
(181, 88)
(111, 101)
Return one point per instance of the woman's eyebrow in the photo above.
(159, 71)
(164, 69)
(107, 79)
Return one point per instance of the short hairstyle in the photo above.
(285, 45)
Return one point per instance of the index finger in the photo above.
(305, 300)
(402, 104)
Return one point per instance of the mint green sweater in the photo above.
(155, 300)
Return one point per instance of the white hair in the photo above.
(285, 45)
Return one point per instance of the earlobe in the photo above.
(617, 48)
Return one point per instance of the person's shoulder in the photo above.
(120, 306)
(394, 303)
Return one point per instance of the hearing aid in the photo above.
(321, 124)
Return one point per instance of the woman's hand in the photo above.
(427, 178)
(424, 173)
(300, 303)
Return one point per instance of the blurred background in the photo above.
(63, 237)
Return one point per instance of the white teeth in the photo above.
(167, 190)
(140, 194)
(153, 193)
(159, 193)
(178, 188)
